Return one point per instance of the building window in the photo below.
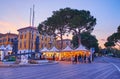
(42, 37)
(20, 45)
(0, 41)
(24, 44)
(21, 36)
(4, 40)
(32, 36)
(9, 40)
(25, 35)
(41, 45)
(46, 39)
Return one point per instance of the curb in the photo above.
(25, 65)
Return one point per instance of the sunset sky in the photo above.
(15, 14)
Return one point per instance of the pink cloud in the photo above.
(9, 27)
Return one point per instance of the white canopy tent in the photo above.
(2, 47)
(53, 53)
(82, 50)
(9, 47)
(54, 49)
(44, 50)
(67, 49)
(66, 53)
(81, 47)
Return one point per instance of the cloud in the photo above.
(8, 27)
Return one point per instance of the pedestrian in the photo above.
(79, 58)
(84, 58)
(89, 60)
(75, 59)
(72, 59)
(53, 57)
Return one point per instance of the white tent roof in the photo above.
(81, 47)
(54, 49)
(2, 47)
(9, 47)
(44, 50)
(67, 48)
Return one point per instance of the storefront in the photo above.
(52, 54)
(67, 53)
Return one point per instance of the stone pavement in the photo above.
(63, 70)
(11, 64)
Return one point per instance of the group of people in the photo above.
(80, 59)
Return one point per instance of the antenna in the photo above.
(30, 15)
(33, 16)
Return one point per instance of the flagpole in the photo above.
(30, 15)
(33, 17)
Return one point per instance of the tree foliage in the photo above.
(114, 38)
(109, 44)
(67, 20)
(87, 40)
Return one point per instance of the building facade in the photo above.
(27, 39)
(6, 39)
(6, 44)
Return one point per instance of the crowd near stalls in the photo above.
(52, 54)
(67, 54)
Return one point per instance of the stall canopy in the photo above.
(54, 49)
(44, 50)
(9, 47)
(67, 49)
(2, 47)
(81, 47)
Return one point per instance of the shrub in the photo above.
(32, 62)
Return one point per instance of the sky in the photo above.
(15, 14)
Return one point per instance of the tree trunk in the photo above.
(61, 41)
(79, 37)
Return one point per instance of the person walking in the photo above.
(75, 59)
(80, 58)
(84, 58)
(72, 59)
(89, 60)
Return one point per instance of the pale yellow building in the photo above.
(6, 39)
(27, 38)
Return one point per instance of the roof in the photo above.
(29, 27)
(12, 34)
(1, 34)
(67, 49)
(81, 47)
(44, 50)
(54, 49)
(64, 40)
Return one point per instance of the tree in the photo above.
(67, 20)
(82, 21)
(75, 41)
(118, 30)
(15, 45)
(87, 40)
(115, 37)
(109, 44)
